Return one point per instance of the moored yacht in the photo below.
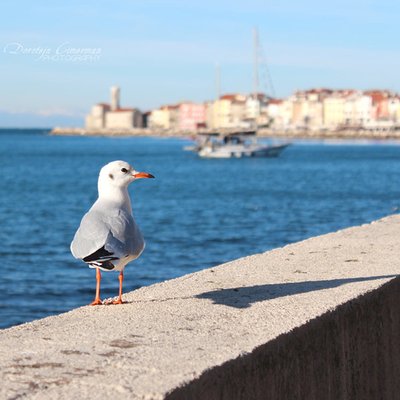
(238, 144)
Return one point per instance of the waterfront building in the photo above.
(280, 113)
(381, 100)
(317, 109)
(96, 118)
(394, 108)
(358, 110)
(252, 108)
(256, 110)
(236, 115)
(164, 118)
(286, 111)
(112, 116)
(123, 118)
(222, 109)
(274, 112)
(385, 110)
(229, 111)
(210, 114)
(307, 108)
(191, 116)
(214, 113)
(334, 109)
(158, 119)
(314, 109)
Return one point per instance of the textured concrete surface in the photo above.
(352, 352)
(250, 323)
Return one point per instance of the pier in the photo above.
(350, 134)
(317, 319)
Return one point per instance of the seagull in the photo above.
(108, 237)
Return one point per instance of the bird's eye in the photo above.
(124, 170)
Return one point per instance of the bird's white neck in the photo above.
(116, 195)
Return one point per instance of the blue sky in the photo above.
(165, 51)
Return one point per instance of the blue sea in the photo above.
(196, 213)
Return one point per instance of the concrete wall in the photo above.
(350, 353)
(318, 319)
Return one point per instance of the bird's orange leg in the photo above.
(121, 279)
(97, 301)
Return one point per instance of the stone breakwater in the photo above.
(318, 319)
(284, 134)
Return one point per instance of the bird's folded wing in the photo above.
(125, 237)
(91, 235)
(99, 231)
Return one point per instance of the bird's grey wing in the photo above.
(106, 237)
(126, 238)
(91, 236)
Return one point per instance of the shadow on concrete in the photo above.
(244, 297)
(351, 352)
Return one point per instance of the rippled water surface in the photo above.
(195, 214)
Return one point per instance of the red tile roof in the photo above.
(123, 109)
(229, 96)
(377, 95)
(319, 90)
(169, 107)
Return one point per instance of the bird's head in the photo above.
(120, 174)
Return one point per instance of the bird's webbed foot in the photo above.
(96, 302)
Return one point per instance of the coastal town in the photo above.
(318, 112)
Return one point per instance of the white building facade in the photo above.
(112, 116)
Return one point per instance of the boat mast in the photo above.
(217, 80)
(255, 60)
(216, 112)
(255, 75)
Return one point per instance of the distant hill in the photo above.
(27, 120)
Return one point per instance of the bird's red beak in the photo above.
(142, 175)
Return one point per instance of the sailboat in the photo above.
(238, 143)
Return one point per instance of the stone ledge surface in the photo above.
(171, 333)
